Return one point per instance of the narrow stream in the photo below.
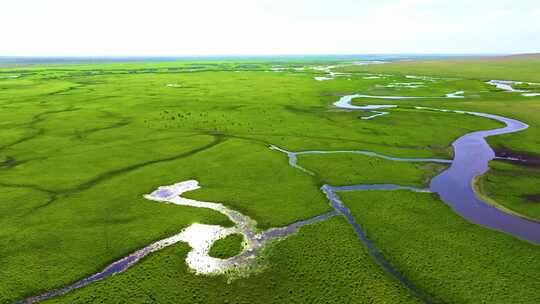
(372, 249)
(454, 186)
(345, 102)
(507, 85)
(293, 157)
(200, 238)
(335, 202)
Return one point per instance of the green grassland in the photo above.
(350, 169)
(485, 98)
(516, 68)
(81, 144)
(227, 247)
(447, 257)
(322, 263)
(521, 185)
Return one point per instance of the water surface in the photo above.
(471, 158)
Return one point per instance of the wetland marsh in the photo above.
(310, 173)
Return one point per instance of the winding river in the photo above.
(471, 158)
(454, 186)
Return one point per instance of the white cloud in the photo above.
(203, 27)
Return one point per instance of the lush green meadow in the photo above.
(227, 247)
(82, 143)
(322, 263)
(517, 68)
(448, 258)
(350, 169)
(520, 192)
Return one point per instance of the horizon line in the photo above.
(265, 55)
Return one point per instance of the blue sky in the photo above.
(225, 27)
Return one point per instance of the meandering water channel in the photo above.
(199, 237)
(507, 85)
(454, 186)
(471, 158)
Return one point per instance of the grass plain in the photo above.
(227, 247)
(81, 144)
(448, 258)
(519, 194)
(303, 268)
